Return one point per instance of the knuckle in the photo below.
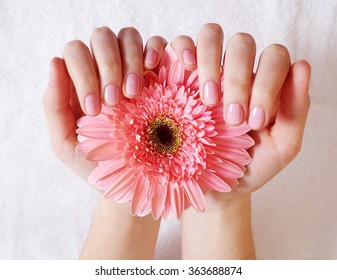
(110, 68)
(101, 32)
(58, 150)
(214, 28)
(208, 65)
(86, 82)
(134, 61)
(73, 46)
(156, 40)
(291, 150)
(242, 39)
(182, 39)
(237, 83)
(278, 50)
(128, 31)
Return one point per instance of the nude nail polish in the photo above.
(132, 86)
(189, 57)
(257, 118)
(92, 105)
(150, 57)
(211, 93)
(111, 95)
(234, 114)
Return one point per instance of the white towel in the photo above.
(45, 210)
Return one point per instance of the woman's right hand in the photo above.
(83, 80)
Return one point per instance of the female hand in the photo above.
(78, 84)
(82, 80)
(274, 101)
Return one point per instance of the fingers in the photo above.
(209, 53)
(153, 51)
(238, 72)
(82, 72)
(105, 50)
(131, 48)
(272, 71)
(293, 110)
(185, 50)
(59, 114)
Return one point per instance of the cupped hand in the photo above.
(83, 80)
(273, 101)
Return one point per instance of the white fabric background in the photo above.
(45, 210)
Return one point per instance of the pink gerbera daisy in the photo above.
(163, 150)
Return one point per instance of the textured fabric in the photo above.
(45, 210)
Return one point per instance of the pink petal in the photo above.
(105, 151)
(212, 181)
(241, 142)
(192, 81)
(96, 132)
(158, 201)
(226, 169)
(168, 57)
(176, 199)
(151, 189)
(234, 155)
(96, 121)
(194, 194)
(88, 145)
(162, 76)
(139, 199)
(122, 181)
(225, 131)
(103, 169)
(125, 195)
(167, 205)
(176, 74)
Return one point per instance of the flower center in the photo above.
(164, 135)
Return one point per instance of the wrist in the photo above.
(227, 202)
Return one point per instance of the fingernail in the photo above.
(189, 57)
(92, 105)
(111, 95)
(132, 86)
(211, 93)
(234, 114)
(150, 57)
(256, 118)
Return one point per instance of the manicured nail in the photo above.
(234, 114)
(150, 57)
(256, 118)
(132, 86)
(92, 105)
(189, 57)
(211, 93)
(111, 95)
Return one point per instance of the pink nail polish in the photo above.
(92, 105)
(189, 57)
(234, 114)
(150, 57)
(256, 118)
(211, 93)
(132, 86)
(111, 95)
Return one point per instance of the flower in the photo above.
(164, 150)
